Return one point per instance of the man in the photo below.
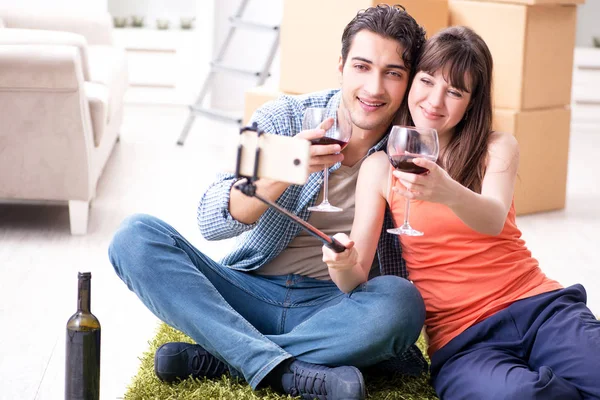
(271, 311)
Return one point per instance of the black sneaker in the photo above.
(178, 360)
(311, 381)
(411, 363)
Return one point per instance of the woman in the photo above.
(498, 328)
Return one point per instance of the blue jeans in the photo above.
(254, 322)
(544, 347)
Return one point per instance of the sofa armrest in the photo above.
(46, 130)
(96, 28)
(40, 67)
(16, 36)
(97, 96)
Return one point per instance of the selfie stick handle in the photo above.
(249, 189)
(327, 240)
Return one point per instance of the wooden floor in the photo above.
(39, 259)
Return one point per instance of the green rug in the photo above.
(145, 385)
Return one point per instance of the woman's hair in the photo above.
(466, 62)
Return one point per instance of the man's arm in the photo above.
(225, 212)
(248, 210)
(214, 217)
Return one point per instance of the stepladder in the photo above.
(218, 66)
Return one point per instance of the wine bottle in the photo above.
(82, 373)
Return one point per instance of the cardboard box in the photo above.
(432, 15)
(256, 97)
(311, 37)
(543, 137)
(532, 47)
(537, 2)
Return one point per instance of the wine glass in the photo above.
(339, 133)
(404, 144)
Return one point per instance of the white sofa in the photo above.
(62, 84)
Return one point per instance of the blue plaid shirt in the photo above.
(262, 241)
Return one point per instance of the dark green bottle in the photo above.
(82, 372)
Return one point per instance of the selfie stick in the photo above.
(249, 189)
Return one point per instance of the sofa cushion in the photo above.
(108, 65)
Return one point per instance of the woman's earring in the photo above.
(466, 115)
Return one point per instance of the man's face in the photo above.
(374, 80)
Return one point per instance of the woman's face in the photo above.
(435, 103)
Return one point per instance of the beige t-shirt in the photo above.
(303, 256)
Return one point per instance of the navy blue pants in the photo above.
(543, 347)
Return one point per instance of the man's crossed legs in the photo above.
(255, 323)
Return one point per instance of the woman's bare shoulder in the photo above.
(375, 171)
(503, 139)
(503, 147)
(377, 160)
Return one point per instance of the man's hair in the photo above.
(466, 63)
(389, 22)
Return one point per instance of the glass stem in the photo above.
(406, 209)
(325, 184)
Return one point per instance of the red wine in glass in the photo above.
(404, 163)
(327, 140)
(406, 143)
(339, 133)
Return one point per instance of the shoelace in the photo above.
(199, 361)
(305, 383)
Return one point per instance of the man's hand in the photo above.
(321, 155)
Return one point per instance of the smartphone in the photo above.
(282, 158)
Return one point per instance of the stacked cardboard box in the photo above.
(311, 33)
(256, 97)
(532, 43)
(310, 47)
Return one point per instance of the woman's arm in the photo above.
(351, 268)
(486, 212)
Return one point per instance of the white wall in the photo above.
(248, 49)
(228, 93)
(55, 5)
(152, 10)
(588, 22)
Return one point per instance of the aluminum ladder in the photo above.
(216, 66)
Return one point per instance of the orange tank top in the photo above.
(464, 276)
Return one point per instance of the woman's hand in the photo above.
(344, 261)
(435, 185)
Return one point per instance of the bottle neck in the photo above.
(84, 295)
